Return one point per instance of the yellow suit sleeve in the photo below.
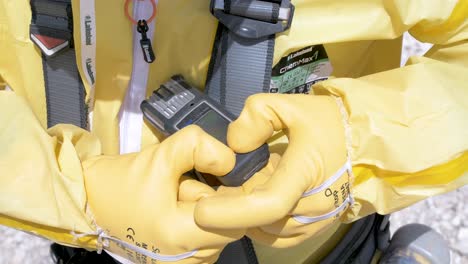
(42, 183)
(409, 126)
(42, 187)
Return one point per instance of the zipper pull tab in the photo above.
(145, 43)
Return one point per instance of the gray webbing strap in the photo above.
(241, 67)
(65, 93)
(242, 55)
(51, 30)
(261, 10)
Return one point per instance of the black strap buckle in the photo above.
(383, 233)
(51, 26)
(254, 19)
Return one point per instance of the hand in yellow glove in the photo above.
(143, 208)
(309, 187)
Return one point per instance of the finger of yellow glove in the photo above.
(191, 190)
(274, 241)
(272, 200)
(257, 179)
(255, 125)
(262, 237)
(191, 236)
(224, 190)
(262, 176)
(189, 148)
(316, 150)
(289, 227)
(274, 236)
(311, 123)
(299, 117)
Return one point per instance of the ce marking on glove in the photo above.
(135, 255)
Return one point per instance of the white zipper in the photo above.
(130, 115)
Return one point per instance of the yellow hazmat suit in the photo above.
(409, 125)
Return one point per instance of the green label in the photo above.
(299, 70)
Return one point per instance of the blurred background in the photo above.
(447, 214)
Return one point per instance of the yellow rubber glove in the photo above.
(281, 207)
(143, 209)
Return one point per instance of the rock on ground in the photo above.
(447, 214)
(21, 248)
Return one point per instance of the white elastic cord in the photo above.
(103, 240)
(312, 219)
(100, 235)
(349, 200)
(346, 168)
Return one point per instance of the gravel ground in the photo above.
(446, 213)
(21, 248)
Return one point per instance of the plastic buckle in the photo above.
(383, 233)
(249, 27)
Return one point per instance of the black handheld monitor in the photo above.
(176, 105)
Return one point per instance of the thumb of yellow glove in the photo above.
(279, 206)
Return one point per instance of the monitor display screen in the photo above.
(214, 124)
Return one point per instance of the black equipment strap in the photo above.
(359, 245)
